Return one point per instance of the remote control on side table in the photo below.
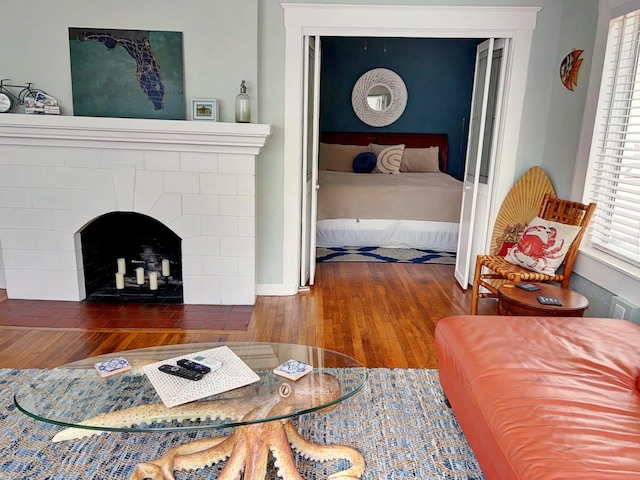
(549, 301)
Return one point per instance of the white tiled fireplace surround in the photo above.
(57, 174)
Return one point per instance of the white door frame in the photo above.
(310, 144)
(472, 233)
(475, 144)
(516, 23)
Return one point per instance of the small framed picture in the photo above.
(204, 109)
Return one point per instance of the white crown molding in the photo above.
(408, 17)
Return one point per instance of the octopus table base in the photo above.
(247, 449)
(262, 425)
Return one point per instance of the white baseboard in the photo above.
(276, 290)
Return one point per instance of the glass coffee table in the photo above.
(258, 415)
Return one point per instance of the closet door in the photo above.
(310, 142)
(481, 153)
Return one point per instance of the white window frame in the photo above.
(611, 273)
(613, 175)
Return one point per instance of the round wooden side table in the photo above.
(516, 301)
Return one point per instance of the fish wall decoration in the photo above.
(569, 69)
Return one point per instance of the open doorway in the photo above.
(417, 215)
(515, 23)
(412, 216)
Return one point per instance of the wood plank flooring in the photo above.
(91, 314)
(383, 314)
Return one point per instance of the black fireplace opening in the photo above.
(131, 258)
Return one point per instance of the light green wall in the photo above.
(222, 46)
(566, 108)
(219, 39)
(599, 298)
(550, 124)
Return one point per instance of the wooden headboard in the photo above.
(410, 140)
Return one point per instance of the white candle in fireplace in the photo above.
(139, 275)
(166, 269)
(119, 280)
(153, 280)
(122, 267)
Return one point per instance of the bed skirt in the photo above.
(349, 232)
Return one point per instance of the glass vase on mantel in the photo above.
(243, 105)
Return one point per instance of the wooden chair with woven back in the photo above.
(540, 251)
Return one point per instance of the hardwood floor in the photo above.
(383, 314)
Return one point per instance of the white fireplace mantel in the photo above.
(133, 133)
(59, 173)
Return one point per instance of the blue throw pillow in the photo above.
(364, 162)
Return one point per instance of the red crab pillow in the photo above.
(543, 246)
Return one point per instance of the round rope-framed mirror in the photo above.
(379, 97)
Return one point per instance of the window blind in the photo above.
(614, 165)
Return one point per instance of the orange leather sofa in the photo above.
(545, 397)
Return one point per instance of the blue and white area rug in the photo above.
(389, 255)
(399, 422)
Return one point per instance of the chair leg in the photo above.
(476, 288)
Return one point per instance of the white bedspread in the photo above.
(349, 232)
(407, 196)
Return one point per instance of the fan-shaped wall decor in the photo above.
(521, 204)
(379, 97)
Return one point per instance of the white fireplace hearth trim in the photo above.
(59, 173)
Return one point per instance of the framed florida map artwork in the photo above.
(127, 73)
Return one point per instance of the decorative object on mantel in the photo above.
(203, 109)
(243, 105)
(379, 97)
(40, 103)
(33, 99)
(569, 69)
(105, 84)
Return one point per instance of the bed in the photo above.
(416, 207)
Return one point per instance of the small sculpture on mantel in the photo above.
(243, 105)
(33, 100)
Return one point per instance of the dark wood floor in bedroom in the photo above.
(383, 314)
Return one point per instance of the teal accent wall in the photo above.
(438, 74)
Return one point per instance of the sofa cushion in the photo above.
(545, 397)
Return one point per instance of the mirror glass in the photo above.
(379, 97)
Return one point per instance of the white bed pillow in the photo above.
(420, 160)
(339, 158)
(389, 158)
